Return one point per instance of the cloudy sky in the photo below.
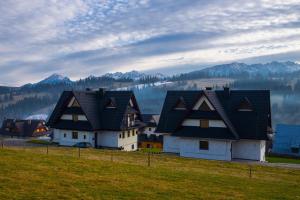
(78, 38)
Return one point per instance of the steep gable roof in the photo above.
(241, 125)
(93, 105)
(212, 97)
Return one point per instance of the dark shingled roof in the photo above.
(150, 119)
(93, 105)
(240, 125)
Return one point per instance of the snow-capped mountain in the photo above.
(253, 69)
(55, 79)
(134, 75)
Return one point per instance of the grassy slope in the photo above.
(275, 159)
(30, 174)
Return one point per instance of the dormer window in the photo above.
(73, 103)
(203, 104)
(204, 107)
(111, 103)
(180, 105)
(245, 105)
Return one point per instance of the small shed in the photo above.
(287, 140)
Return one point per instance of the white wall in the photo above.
(148, 132)
(196, 122)
(108, 138)
(112, 139)
(128, 142)
(69, 117)
(249, 149)
(218, 149)
(69, 141)
(171, 144)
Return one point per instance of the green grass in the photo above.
(29, 173)
(276, 159)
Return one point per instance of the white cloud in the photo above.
(42, 36)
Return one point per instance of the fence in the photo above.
(142, 158)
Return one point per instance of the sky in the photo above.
(79, 38)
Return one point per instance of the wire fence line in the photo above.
(138, 157)
(144, 158)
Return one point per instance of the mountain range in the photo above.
(40, 98)
(252, 69)
(224, 70)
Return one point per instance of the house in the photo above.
(24, 128)
(287, 140)
(151, 121)
(220, 125)
(105, 119)
(148, 137)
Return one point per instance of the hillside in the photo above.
(31, 174)
(282, 78)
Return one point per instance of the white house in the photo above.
(105, 119)
(151, 121)
(219, 125)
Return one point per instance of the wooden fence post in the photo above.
(2, 143)
(148, 159)
(47, 149)
(78, 152)
(111, 156)
(250, 171)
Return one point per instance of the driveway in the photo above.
(282, 165)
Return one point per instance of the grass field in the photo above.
(29, 173)
(276, 159)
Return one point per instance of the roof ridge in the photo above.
(222, 112)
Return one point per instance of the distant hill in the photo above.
(242, 70)
(55, 79)
(38, 99)
(254, 69)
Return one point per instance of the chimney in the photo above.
(208, 88)
(226, 91)
(101, 91)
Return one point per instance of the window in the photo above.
(180, 105)
(204, 123)
(65, 135)
(120, 135)
(133, 132)
(128, 133)
(111, 103)
(123, 134)
(295, 150)
(203, 145)
(150, 129)
(132, 146)
(84, 137)
(74, 135)
(204, 107)
(245, 105)
(75, 103)
(75, 118)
